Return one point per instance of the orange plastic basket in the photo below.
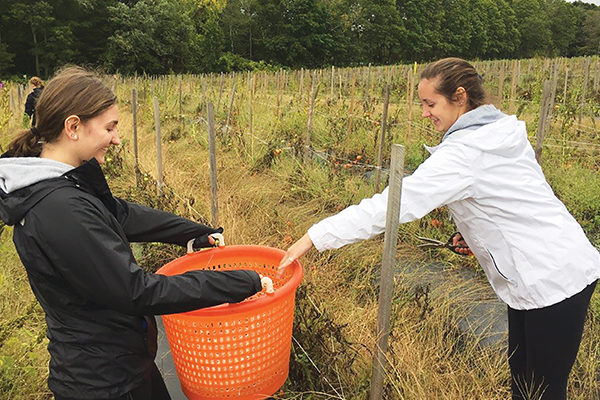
(235, 351)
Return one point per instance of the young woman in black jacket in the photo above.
(73, 236)
(36, 86)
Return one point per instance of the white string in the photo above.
(317, 368)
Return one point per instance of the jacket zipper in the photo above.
(496, 266)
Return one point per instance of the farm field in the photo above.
(273, 184)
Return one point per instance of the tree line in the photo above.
(199, 36)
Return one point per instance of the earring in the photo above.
(75, 137)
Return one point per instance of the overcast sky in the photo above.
(596, 2)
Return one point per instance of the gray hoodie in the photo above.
(476, 118)
(20, 172)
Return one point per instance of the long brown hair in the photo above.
(72, 91)
(453, 73)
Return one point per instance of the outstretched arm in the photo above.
(297, 250)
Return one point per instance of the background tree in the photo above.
(6, 57)
(296, 32)
(501, 26)
(563, 26)
(423, 29)
(239, 24)
(37, 17)
(533, 23)
(591, 30)
(162, 36)
(152, 36)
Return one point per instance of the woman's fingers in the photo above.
(460, 246)
(296, 251)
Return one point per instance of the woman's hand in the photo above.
(461, 247)
(296, 251)
(210, 240)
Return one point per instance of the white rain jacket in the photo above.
(532, 250)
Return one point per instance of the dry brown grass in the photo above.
(430, 357)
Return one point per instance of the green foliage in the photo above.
(579, 189)
(4, 116)
(6, 59)
(230, 62)
(591, 31)
(163, 36)
(153, 36)
(113, 161)
(533, 23)
(563, 25)
(322, 358)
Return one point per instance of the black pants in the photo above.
(543, 345)
(153, 388)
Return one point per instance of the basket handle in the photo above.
(219, 241)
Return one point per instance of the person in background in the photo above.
(73, 236)
(36, 85)
(535, 255)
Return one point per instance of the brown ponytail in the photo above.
(26, 144)
(72, 91)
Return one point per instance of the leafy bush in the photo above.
(579, 189)
(234, 62)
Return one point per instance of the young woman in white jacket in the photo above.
(535, 255)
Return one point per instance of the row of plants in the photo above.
(268, 195)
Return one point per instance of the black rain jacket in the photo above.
(73, 238)
(30, 102)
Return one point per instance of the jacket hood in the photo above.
(24, 181)
(488, 129)
(19, 172)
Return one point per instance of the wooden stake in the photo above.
(278, 95)
(180, 99)
(220, 91)
(409, 102)
(250, 99)
(12, 101)
(542, 121)
(386, 281)
(301, 83)
(584, 89)
(351, 105)
(313, 95)
(212, 149)
(203, 82)
(501, 84)
(368, 85)
(135, 134)
(596, 76)
(386, 102)
(513, 86)
(332, 83)
(158, 147)
(230, 106)
(554, 84)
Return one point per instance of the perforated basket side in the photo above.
(243, 356)
(234, 351)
